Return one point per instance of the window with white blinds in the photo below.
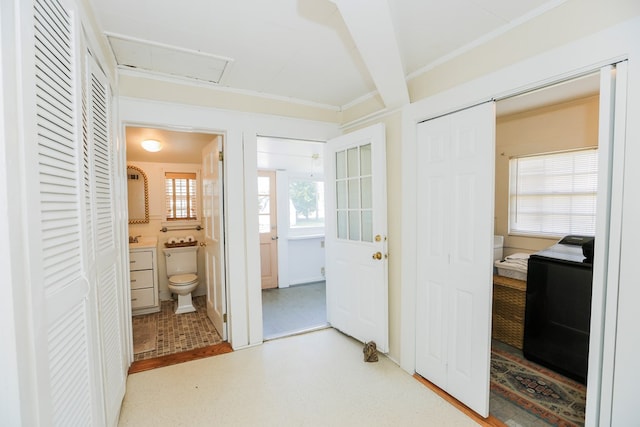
(181, 202)
(553, 194)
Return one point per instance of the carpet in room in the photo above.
(547, 395)
(144, 337)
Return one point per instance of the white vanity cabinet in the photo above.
(143, 270)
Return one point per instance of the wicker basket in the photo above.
(509, 297)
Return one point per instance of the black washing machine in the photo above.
(558, 306)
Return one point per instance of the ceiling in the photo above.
(177, 147)
(329, 53)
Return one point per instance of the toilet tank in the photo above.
(181, 260)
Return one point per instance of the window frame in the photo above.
(178, 222)
(511, 204)
(305, 231)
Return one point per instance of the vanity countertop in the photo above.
(145, 243)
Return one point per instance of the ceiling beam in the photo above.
(371, 27)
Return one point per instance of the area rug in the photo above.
(547, 395)
(144, 337)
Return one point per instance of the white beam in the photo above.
(370, 25)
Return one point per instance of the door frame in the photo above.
(223, 213)
(240, 174)
(544, 70)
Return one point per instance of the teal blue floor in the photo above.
(286, 311)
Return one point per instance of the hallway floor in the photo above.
(176, 333)
(290, 310)
(313, 379)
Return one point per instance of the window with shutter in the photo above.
(181, 200)
(553, 194)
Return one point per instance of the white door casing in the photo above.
(606, 271)
(356, 234)
(455, 203)
(212, 213)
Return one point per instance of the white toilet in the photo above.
(182, 266)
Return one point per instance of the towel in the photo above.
(518, 259)
(518, 255)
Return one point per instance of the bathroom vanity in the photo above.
(143, 268)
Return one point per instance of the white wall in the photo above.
(306, 260)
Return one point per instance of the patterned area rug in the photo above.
(144, 337)
(541, 392)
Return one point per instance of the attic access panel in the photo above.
(164, 59)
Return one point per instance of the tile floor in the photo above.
(178, 333)
(294, 309)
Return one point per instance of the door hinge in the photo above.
(224, 318)
(220, 156)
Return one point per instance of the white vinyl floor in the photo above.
(314, 379)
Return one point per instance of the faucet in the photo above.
(134, 239)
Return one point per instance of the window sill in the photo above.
(307, 237)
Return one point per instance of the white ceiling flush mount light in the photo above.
(151, 145)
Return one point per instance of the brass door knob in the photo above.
(377, 255)
(203, 243)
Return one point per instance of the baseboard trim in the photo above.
(185, 356)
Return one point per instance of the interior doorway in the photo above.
(182, 203)
(291, 218)
(562, 119)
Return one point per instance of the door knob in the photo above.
(377, 255)
(203, 243)
(274, 238)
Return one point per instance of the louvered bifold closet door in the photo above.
(110, 300)
(65, 376)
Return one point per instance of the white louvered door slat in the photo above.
(64, 371)
(110, 300)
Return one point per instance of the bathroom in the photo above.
(179, 155)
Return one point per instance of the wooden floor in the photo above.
(185, 356)
(491, 421)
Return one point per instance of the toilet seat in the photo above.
(183, 279)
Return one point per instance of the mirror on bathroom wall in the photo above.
(138, 195)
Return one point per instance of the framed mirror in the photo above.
(137, 195)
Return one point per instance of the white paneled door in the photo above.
(214, 232)
(455, 204)
(355, 235)
(268, 225)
